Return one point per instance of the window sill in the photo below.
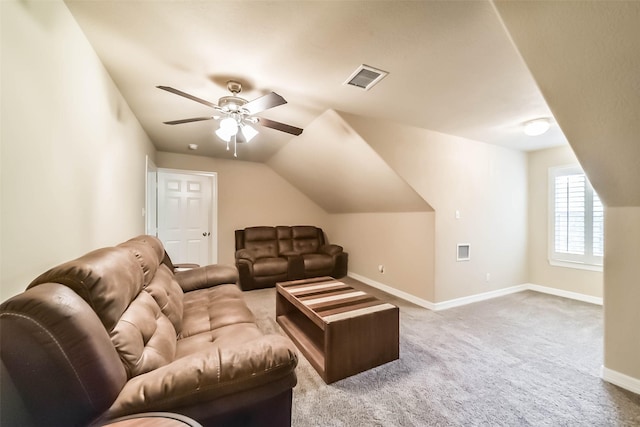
(576, 265)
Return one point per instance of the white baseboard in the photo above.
(457, 302)
(565, 294)
(393, 291)
(621, 380)
(440, 305)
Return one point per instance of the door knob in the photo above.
(206, 234)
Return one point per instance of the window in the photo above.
(577, 220)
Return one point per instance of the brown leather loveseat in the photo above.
(116, 332)
(266, 255)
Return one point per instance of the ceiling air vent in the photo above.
(365, 77)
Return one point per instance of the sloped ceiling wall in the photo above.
(338, 170)
(585, 57)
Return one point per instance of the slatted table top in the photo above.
(327, 300)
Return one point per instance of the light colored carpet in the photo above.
(526, 359)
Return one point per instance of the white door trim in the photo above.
(151, 198)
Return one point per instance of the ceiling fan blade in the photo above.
(191, 97)
(265, 102)
(279, 126)
(195, 119)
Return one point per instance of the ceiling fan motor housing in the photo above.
(231, 103)
(234, 87)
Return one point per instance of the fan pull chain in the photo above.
(235, 145)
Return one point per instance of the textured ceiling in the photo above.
(452, 66)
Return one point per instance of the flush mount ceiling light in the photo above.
(365, 77)
(536, 127)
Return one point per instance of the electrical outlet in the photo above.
(488, 277)
(381, 268)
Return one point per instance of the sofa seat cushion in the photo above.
(212, 308)
(314, 262)
(210, 374)
(226, 336)
(270, 266)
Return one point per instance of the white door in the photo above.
(185, 218)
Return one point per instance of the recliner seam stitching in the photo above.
(57, 343)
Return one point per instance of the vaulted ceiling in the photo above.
(585, 56)
(452, 65)
(475, 69)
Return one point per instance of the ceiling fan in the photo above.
(237, 114)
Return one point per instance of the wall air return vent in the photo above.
(464, 252)
(365, 77)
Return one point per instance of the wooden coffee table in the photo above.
(342, 331)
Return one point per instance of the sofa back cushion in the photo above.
(146, 257)
(108, 279)
(261, 241)
(285, 239)
(157, 246)
(144, 337)
(166, 291)
(159, 281)
(111, 281)
(306, 239)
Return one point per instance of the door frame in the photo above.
(151, 198)
(213, 249)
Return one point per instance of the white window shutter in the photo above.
(577, 219)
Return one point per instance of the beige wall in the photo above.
(486, 184)
(402, 242)
(249, 194)
(540, 271)
(622, 291)
(73, 154)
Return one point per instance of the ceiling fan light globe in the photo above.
(225, 136)
(229, 126)
(249, 132)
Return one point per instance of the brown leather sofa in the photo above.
(116, 332)
(266, 255)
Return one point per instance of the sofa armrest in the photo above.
(209, 374)
(184, 267)
(330, 249)
(245, 254)
(206, 277)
